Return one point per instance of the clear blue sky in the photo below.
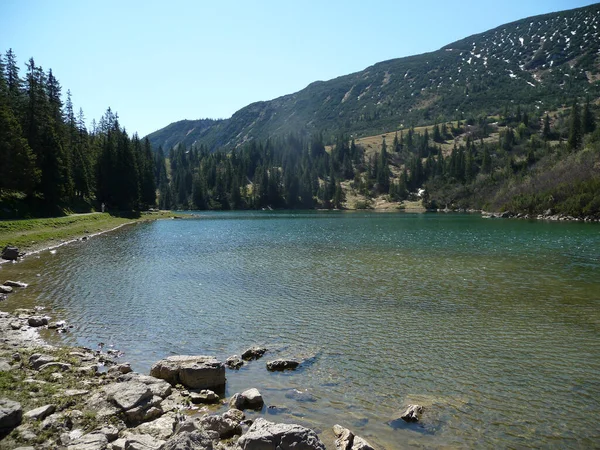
(156, 62)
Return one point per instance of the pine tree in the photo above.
(575, 128)
(588, 120)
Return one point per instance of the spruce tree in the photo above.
(575, 128)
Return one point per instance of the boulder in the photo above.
(37, 360)
(120, 369)
(194, 372)
(204, 396)
(161, 428)
(40, 413)
(221, 424)
(189, 440)
(11, 253)
(412, 413)
(90, 441)
(265, 435)
(18, 284)
(5, 289)
(234, 362)
(157, 386)
(249, 399)
(282, 364)
(37, 321)
(346, 440)
(253, 353)
(55, 365)
(11, 415)
(127, 395)
(140, 442)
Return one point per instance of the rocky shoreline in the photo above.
(548, 215)
(76, 398)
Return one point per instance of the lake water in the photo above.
(492, 325)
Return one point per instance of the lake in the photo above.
(492, 325)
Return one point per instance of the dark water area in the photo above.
(492, 325)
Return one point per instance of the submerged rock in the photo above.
(412, 413)
(194, 372)
(265, 435)
(282, 364)
(346, 440)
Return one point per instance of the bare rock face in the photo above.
(412, 413)
(194, 372)
(346, 440)
(11, 415)
(282, 364)
(265, 435)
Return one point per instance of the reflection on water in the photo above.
(492, 326)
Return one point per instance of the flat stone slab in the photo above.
(40, 413)
(194, 372)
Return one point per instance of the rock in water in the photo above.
(37, 321)
(11, 253)
(412, 413)
(194, 372)
(346, 440)
(249, 399)
(253, 353)
(11, 415)
(265, 435)
(282, 364)
(234, 362)
(204, 396)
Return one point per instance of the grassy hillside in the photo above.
(541, 62)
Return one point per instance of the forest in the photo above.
(51, 164)
(521, 159)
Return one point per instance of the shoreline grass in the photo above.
(31, 235)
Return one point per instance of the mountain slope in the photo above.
(542, 62)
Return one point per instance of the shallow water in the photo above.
(492, 325)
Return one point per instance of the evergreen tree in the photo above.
(588, 121)
(575, 128)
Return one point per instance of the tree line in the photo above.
(51, 162)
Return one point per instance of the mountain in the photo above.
(543, 62)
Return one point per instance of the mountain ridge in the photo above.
(543, 61)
